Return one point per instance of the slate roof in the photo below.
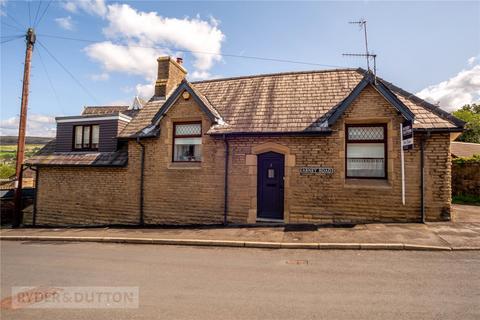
(289, 102)
(108, 110)
(48, 157)
(464, 149)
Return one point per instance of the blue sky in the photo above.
(430, 48)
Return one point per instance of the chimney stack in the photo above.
(170, 75)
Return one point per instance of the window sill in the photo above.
(367, 184)
(185, 165)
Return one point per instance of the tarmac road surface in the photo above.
(181, 282)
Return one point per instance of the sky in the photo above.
(94, 52)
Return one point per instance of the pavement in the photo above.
(463, 233)
(191, 282)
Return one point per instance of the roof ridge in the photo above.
(360, 70)
(107, 106)
(423, 103)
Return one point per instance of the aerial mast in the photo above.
(363, 25)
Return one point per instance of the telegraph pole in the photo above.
(30, 40)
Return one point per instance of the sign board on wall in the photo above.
(316, 170)
(407, 135)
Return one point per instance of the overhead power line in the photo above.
(14, 20)
(29, 14)
(36, 14)
(11, 39)
(197, 52)
(11, 26)
(50, 81)
(67, 71)
(43, 14)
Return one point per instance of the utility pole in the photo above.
(30, 40)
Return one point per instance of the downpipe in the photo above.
(422, 174)
(225, 195)
(142, 171)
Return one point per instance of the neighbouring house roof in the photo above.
(48, 157)
(298, 102)
(109, 110)
(464, 149)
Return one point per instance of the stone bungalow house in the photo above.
(298, 147)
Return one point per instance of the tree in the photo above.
(470, 113)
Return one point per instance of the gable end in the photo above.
(369, 79)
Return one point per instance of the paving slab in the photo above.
(462, 234)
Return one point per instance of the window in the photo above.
(86, 137)
(366, 151)
(187, 142)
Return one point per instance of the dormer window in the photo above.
(86, 137)
(187, 142)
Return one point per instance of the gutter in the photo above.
(225, 196)
(439, 130)
(273, 134)
(142, 171)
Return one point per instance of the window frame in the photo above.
(90, 137)
(385, 146)
(174, 136)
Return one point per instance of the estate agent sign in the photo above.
(407, 135)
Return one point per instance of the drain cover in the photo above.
(300, 227)
(297, 261)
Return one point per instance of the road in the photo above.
(239, 283)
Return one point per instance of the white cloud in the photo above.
(130, 60)
(94, 7)
(472, 60)
(146, 36)
(100, 77)
(145, 90)
(461, 89)
(65, 23)
(37, 125)
(149, 28)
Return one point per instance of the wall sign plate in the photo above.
(316, 170)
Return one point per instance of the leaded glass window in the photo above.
(366, 151)
(187, 144)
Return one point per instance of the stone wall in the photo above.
(466, 179)
(190, 193)
(89, 196)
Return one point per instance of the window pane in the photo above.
(188, 140)
(365, 133)
(365, 150)
(189, 129)
(78, 137)
(187, 152)
(366, 160)
(95, 136)
(86, 137)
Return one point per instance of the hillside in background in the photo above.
(12, 140)
(8, 152)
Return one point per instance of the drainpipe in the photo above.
(34, 214)
(225, 199)
(422, 173)
(142, 169)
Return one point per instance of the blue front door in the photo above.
(270, 183)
